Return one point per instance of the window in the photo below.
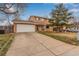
(47, 26)
(42, 19)
(37, 18)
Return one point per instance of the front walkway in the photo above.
(35, 44)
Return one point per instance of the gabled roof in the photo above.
(18, 21)
(22, 22)
(40, 17)
(28, 22)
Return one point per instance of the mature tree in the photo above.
(11, 9)
(60, 17)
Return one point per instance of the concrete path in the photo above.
(35, 44)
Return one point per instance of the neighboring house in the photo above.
(42, 23)
(4, 29)
(34, 23)
(75, 27)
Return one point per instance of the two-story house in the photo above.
(34, 23)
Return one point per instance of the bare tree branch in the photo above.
(9, 9)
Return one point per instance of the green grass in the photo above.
(5, 41)
(65, 39)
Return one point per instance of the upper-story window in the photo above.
(42, 19)
(37, 18)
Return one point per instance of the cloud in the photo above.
(5, 23)
(75, 13)
(11, 10)
(75, 5)
(72, 5)
(74, 10)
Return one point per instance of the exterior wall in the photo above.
(40, 28)
(49, 29)
(37, 28)
(43, 28)
(42, 21)
(32, 18)
(14, 28)
(39, 19)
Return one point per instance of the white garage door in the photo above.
(25, 28)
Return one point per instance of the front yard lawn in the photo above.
(65, 37)
(5, 40)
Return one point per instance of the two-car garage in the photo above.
(25, 28)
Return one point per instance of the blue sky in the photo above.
(36, 9)
(44, 9)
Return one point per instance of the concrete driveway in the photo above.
(35, 44)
